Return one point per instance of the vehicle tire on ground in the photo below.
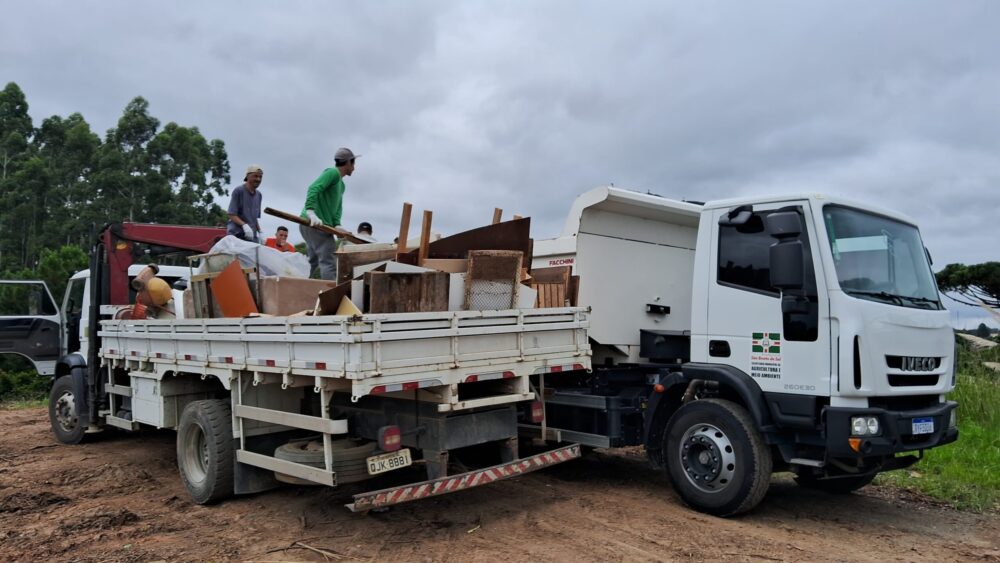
(715, 458)
(837, 485)
(64, 416)
(349, 459)
(205, 450)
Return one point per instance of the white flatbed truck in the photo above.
(732, 340)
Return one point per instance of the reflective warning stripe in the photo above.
(558, 369)
(309, 365)
(163, 356)
(489, 376)
(475, 478)
(221, 359)
(408, 386)
(267, 362)
(191, 358)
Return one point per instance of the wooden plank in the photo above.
(450, 265)
(346, 261)
(509, 235)
(407, 292)
(497, 214)
(232, 292)
(404, 227)
(573, 292)
(556, 274)
(344, 234)
(425, 238)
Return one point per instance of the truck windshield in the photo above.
(880, 259)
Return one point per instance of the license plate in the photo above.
(387, 462)
(923, 425)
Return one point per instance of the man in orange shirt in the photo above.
(280, 241)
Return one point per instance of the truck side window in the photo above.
(744, 256)
(25, 299)
(745, 263)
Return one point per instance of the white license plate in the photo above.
(923, 425)
(387, 462)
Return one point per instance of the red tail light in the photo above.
(537, 412)
(390, 438)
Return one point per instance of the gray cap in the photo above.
(344, 154)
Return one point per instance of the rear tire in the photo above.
(715, 458)
(64, 415)
(835, 486)
(205, 450)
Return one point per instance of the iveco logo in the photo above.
(911, 363)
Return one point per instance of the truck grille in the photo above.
(913, 363)
(910, 380)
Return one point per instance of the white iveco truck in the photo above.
(732, 340)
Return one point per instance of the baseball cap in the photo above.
(344, 154)
(251, 169)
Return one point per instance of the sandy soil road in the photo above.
(120, 499)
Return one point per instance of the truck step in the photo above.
(122, 423)
(807, 462)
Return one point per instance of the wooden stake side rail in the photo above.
(368, 354)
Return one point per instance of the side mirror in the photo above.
(784, 224)
(787, 270)
(737, 216)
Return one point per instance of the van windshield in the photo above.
(880, 259)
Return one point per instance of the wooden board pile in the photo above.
(487, 268)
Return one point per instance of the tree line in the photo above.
(60, 180)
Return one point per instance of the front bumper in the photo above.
(897, 430)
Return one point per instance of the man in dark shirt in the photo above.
(244, 206)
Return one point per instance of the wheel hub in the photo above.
(707, 457)
(66, 412)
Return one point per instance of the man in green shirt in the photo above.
(324, 206)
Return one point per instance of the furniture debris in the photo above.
(406, 292)
(232, 292)
(493, 279)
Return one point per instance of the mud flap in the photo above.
(248, 479)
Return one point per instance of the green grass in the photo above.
(966, 473)
(22, 385)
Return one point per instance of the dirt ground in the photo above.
(120, 499)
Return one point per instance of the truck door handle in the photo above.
(718, 348)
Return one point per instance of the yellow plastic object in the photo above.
(159, 291)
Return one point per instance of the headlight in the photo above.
(865, 426)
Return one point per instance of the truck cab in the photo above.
(797, 333)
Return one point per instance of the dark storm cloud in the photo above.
(462, 107)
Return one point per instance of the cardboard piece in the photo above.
(283, 296)
(232, 292)
(347, 307)
(329, 301)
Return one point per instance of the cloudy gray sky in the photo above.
(460, 107)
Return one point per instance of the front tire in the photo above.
(64, 412)
(205, 450)
(715, 458)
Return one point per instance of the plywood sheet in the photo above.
(231, 291)
(407, 292)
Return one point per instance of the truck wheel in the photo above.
(715, 459)
(349, 459)
(836, 486)
(205, 450)
(63, 412)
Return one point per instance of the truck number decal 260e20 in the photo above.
(765, 355)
